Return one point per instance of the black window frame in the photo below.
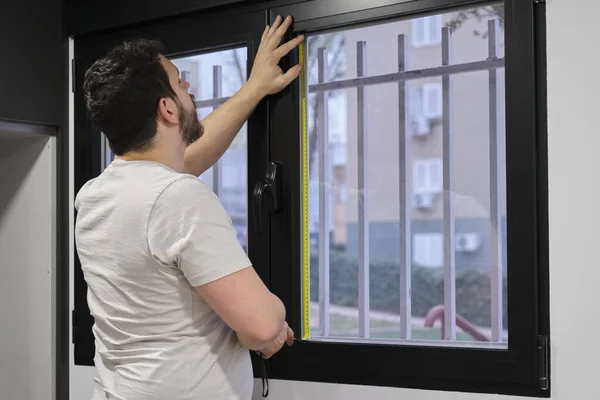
(522, 368)
(276, 254)
(187, 35)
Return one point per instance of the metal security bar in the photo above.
(445, 71)
(408, 75)
(448, 170)
(324, 176)
(405, 231)
(217, 93)
(363, 209)
(495, 189)
(211, 103)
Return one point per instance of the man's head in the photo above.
(133, 92)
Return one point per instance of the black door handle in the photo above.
(271, 188)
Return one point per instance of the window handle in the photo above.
(269, 188)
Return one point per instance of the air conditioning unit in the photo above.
(467, 242)
(423, 200)
(420, 126)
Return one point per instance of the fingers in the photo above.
(272, 36)
(290, 75)
(269, 30)
(285, 336)
(290, 337)
(275, 25)
(277, 30)
(281, 30)
(285, 48)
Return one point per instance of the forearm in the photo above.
(220, 128)
(250, 343)
(258, 339)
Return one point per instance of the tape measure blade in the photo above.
(305, 222)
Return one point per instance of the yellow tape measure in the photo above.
(305, 231)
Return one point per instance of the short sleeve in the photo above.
(189, 228)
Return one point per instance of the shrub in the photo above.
(473, 288)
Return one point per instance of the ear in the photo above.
(167, 111)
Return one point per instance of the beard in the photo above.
(190, 127)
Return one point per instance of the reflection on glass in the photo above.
(361, 183)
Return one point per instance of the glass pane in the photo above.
(215, 77)
(363, 226)
(106, 154)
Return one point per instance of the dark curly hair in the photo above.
(122, 91)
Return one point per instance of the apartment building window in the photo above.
(424, 105)
(428, 176)
(428, 250)
(426, 31)
(431, 100)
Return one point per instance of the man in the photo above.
(176, 302)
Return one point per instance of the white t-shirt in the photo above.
(146, 235)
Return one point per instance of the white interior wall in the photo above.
(27, 263)
(574, 217)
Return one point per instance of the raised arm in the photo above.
(266, 77)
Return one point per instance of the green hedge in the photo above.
(472, 288)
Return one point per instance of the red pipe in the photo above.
(437, 312)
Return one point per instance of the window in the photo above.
(428, 250)
(432, 100)
(434, 241)
(424, 106)
(428, 176)
(384, 247)
(426, 31)
(426, 100)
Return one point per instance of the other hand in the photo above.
(266, 76)
(285, 336)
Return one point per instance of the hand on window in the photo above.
(266, 76)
